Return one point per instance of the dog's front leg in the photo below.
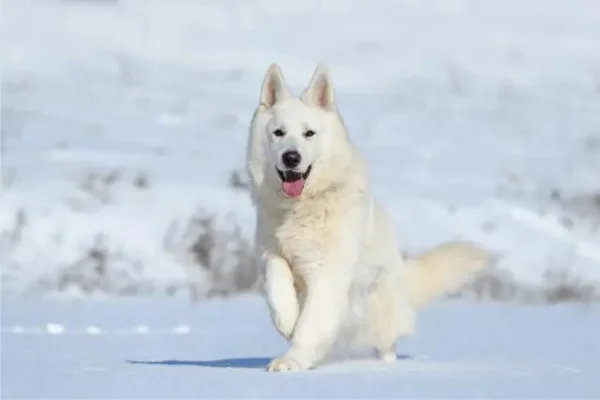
(319, 321)
(281, 295)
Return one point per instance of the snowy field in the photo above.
(123, 122)
(167, 349)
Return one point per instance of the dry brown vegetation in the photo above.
(225, 257)
(221, 262)
(556, 286)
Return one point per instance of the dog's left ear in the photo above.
(320, 90)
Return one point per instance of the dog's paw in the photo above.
(284, 364)
(388, 357)
(285, 324)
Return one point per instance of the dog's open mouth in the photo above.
(293, 181)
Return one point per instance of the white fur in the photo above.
(330, 257)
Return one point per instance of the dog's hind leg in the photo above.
(388, 317)
(402, 326)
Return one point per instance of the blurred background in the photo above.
(124, 125)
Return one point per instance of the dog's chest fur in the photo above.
(303, 234)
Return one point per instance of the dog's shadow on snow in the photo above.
(250, 363)
(244, 363)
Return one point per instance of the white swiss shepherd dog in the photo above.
(330, 257)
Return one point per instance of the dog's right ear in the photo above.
(274, 88)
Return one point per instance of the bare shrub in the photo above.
(217, 260)
(582, 207)
(557, 286)
(225, 254)
(90, 273)
(238, 180)
(141, 181)
(12, 236)
(99, 186)
(100, 269)
(562, 286)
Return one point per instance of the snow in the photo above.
(460, 350)
(123, 120)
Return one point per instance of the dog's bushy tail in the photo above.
(441, 270)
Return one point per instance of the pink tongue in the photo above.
(293, 189)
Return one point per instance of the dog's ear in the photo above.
(320, 90)
(274, 88)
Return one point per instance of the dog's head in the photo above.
(298, 145)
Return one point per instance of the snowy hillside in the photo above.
(122, 122)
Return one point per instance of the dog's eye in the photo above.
(278, 132)
(309, 133)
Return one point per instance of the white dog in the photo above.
(331, 261)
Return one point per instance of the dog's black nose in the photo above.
(291, 159)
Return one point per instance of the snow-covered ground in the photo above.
(168, 349)
(475, 117)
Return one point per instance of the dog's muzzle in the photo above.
(293, 181)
